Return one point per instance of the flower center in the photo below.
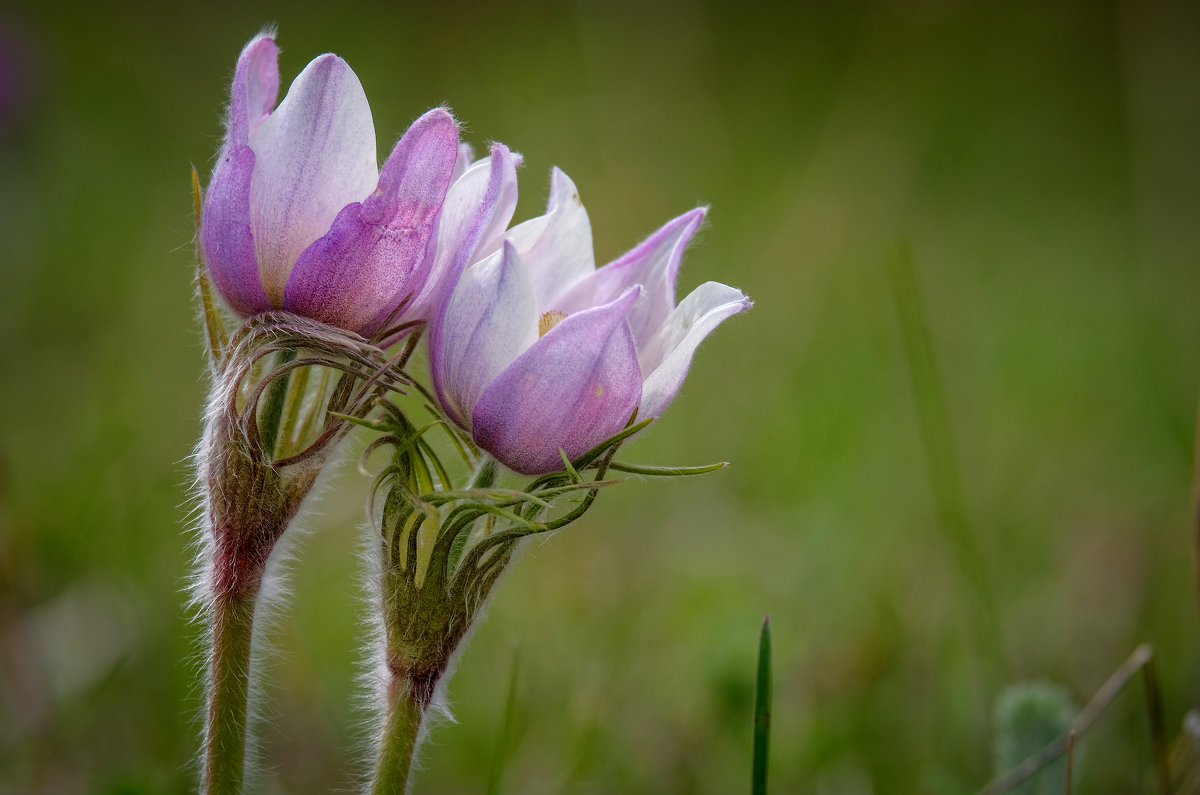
(549, 320)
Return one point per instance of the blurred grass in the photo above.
(1040, 159)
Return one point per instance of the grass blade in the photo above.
(762, 711)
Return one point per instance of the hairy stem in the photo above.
(398, 745)
(228, 692)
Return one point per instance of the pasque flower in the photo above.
(536, 351)
(297, 215)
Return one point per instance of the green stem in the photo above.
(228, 693)
(399, 742)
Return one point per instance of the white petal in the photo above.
(490, 319)
(314, 155)
(466, 156)
(477, 209)
(667, 357)
(557, 246)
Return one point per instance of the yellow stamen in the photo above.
(549, 320)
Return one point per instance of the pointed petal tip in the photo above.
(561, 185)
(686, 225)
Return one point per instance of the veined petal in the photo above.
(226, 237)
(572, 389)
(654, 264)
(477, 210)
(489, 320)
(557, 246)
(315, 154)
(379, 252)
(669, 355)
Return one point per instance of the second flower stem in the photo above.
(398, 745)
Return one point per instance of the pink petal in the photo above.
(255, 87)
(315, 154)
(226, 236)
(667, 357)
(378, 253)
(654, 264)
(573, 389)
(489, 320)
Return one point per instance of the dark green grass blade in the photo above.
(762, 711)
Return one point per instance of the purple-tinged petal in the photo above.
(575, 387)
(466, 156)
(489, 320)
(315, 154)
(226, 237)
(478, 208)
(379, 252)
(557, 246)
(654, 264)
(668, 356)
(255, 88)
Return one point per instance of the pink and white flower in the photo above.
(299, 217)
(535, 350)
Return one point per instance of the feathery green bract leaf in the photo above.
(587, 485)
(293, 403)
(431, 456)
(460, 444)
(383, 426)
(534, 527)
(272, 408)
(570, 470)
(667, 472)
(762, 711)
(501, 496)
(591, 455)
(485, 475)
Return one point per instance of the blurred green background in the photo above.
(1040, 160)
